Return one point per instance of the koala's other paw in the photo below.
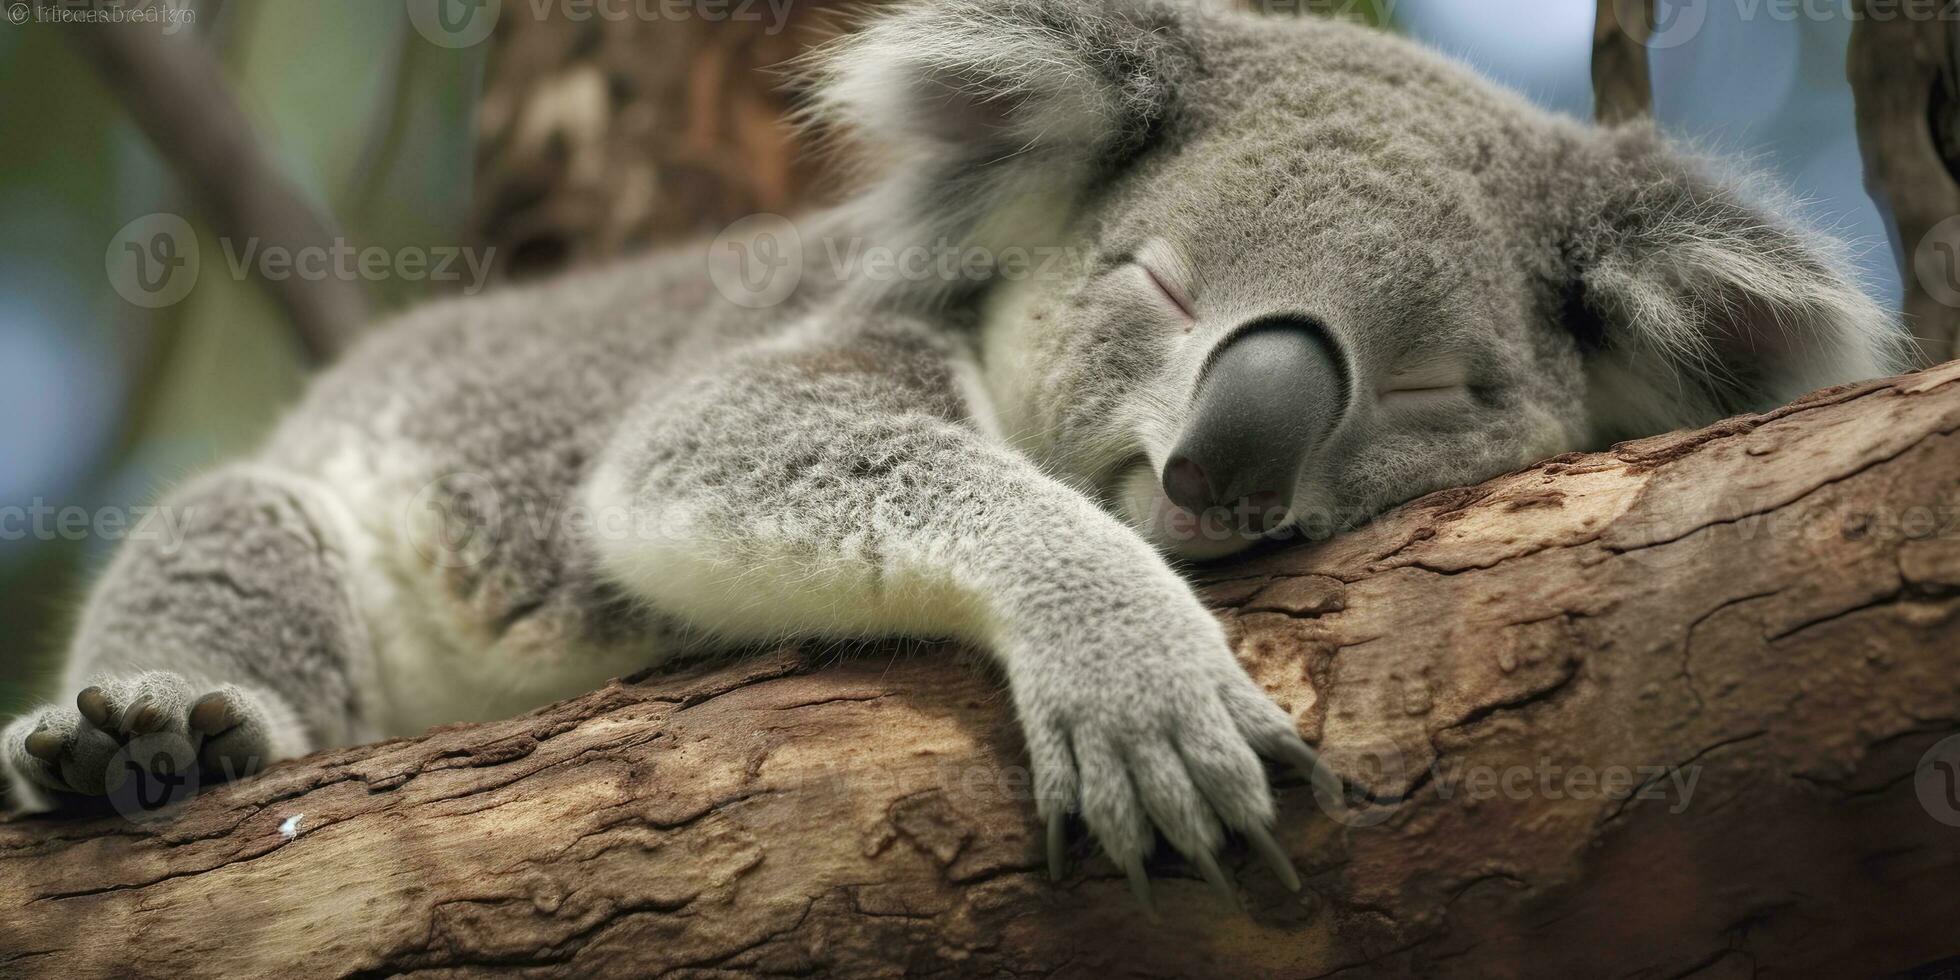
(1159, 733)
(155, 728)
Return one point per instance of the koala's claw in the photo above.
(1260, 838)
(88, 750)
(1220, 880)
(1207, 865)
(1327, 787)
(1140, 886)
(1275, 857)
(1057, 845)
(1172, 753)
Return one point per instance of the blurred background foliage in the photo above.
(103, 404)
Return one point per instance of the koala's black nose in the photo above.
(1267, 398)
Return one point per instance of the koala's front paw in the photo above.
(1157, 728)
(155, 726)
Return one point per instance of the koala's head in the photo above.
(1277, 271)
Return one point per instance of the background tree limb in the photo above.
(1905, 71)
(176, 94)
(1622, 90)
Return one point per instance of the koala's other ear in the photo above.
(1695, 302)
(993, 116)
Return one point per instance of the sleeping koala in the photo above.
(1312, 271)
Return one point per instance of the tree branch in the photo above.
(176, 94)
(1903, 71)
(1652, 711)
(1621, 88)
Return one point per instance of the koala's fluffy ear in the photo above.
(1695, 301)
(991, 117)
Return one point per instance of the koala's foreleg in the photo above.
(840, 491)
(222, 635)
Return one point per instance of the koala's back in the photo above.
(451, 446)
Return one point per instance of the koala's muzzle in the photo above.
(1265, 401)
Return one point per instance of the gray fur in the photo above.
(507, 499)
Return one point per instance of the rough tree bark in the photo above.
(1756, 626)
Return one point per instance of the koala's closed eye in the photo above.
(1168, 287)
(1168, 276)
(1428, 384)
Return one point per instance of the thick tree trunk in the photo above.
(605, 135)
(1666, 709)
